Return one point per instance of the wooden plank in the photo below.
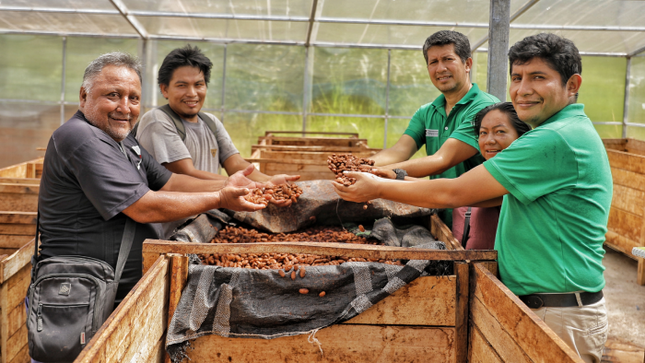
(620, 243)
(22, 356)
(14, 241)
(16, 289)
(443, 233)
(15, 344)
(625, 224)
(501, 341)
(319, 248)
(628, 179)
(34, 181)
(110, 339)
(14, 263)
(617, 351)
(312, 148)
(628, 199)
(339, 343)
(18, 229)
(18, 217)
(523, 328)
(479, 350)
(19, 202)
(14, 171)
(428, 300)
(16, 318)
(634, 146)
(615, 144)
(640, 272)
(178, 276)
(18, 188)
(461, 312)
(626, 161)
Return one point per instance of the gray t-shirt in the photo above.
(158, 134)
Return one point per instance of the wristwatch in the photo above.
(400, 173)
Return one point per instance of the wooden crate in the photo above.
(19, 186)
(15, 276)
(304, 155)
(426, 321)
(626, 225)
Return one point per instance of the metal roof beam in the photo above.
(130, 18)
(58, 10)
(312, 19)
(636, 52)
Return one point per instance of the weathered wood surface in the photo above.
(629, 145)
(314, 148)
(19, 197)
(28, 169)
(319, 248)
(479, 350)
(178, 277)
(461, 311)
(13, 329)
(442, 233)
(511, 329)
(15, 262)
(28, 181)
(339, 343)
(18, 217)
(626, 225)
(135, 329)
(14, 241)
(617, 351)
(428, 300)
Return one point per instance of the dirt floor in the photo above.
(626, 310)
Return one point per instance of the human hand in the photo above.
(282, 179)
(240, 180)
(366, 187)
(233, 198)
(383, 173)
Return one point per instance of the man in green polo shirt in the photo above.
(445, 125)
(556, 186)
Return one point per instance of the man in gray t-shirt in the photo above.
(183, 79)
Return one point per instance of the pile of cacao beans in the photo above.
(347, 162)
(277, 192)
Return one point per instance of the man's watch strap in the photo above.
(400, 173)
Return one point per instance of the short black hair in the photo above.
(507, 108)
(181, 57)
(558, 52)
(444, 37)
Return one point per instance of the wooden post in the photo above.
(461, 319)
(498, 33)
(179, 274)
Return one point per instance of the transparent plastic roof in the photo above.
(609, 27)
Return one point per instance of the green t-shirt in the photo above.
(431, 126)
(552, 224)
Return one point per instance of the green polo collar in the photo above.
(440, 102)
(572, 110)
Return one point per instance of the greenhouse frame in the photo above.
(306, 65)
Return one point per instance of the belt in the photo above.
(536, 301)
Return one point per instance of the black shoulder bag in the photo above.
(69, 299)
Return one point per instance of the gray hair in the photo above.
(118, 59)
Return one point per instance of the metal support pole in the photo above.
(221, 114)
(305, 88)
(498, 33)
(387, 98)
(626, 103)
(62, 83)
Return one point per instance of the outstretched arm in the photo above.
(451, 153)
(475, 187)
(401, 151)
(186, 167)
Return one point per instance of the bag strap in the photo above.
(179, 125)
(124, 250)
(464, 237)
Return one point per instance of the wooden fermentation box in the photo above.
(19, 185)
(626, 226)
(469, 316)
(305, 155)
